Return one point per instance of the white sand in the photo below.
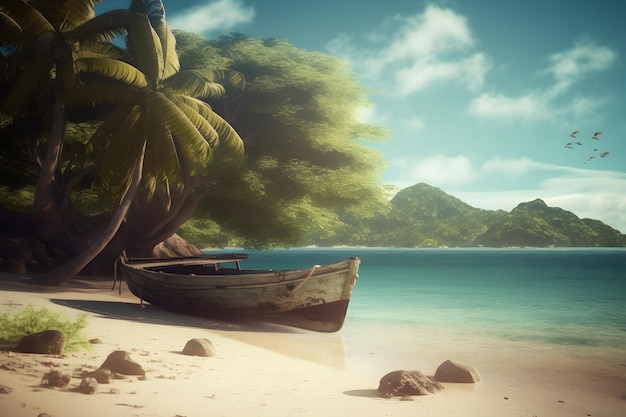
(258, 371)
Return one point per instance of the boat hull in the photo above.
(313, 299)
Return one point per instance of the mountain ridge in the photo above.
(425, 216)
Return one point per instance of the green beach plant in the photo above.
(14, 326)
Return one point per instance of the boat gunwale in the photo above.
(179, 281)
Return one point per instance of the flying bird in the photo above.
(605, 154)
(595, 136)
(574, 133)
(578, 143)
(568, 145)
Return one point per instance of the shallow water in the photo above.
(509, 311)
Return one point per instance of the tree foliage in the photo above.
(154, 140)
(306, 163)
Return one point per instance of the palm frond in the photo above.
(161, 165)
(193, 83)
(144, 46)
(103, 50)
(116, 166)
(29, 18)
(204, 127)
(227, 135)
(103, 28)
(155, 11)
(65, 15)
(10, 31)
(234, 78)
(170, 57)
(192, 150)
(113, 69)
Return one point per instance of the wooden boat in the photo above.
(215, 286)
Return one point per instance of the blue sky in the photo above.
(480, 95)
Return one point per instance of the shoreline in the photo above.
(270, 370)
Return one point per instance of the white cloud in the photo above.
(219, 15)
(415, 123)
(438, 170)
(585, 57)
(567, 68)
(424, 49)
(528, 107)
(518, 167)
(587, 193)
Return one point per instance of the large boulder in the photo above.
(121, 363)
(199, 347)
(50, 342)
(175, 246)
(451, 371)
(403, 383)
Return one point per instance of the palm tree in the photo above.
(42, 71)
(154, 146)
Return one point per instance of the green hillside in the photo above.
(425, 216)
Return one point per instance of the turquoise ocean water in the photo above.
(411, 301)
(557, 296)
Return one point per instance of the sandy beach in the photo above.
(265, 370)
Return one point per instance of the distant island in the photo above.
(426, 216)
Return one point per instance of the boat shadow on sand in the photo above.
(323, 348)
(147, 313)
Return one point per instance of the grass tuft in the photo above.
(27, 321)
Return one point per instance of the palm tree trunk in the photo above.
(69, 269)
(45, 206)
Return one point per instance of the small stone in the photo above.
(451, 371)
(50, 342)
(121, 363)
(199, 347)
(88, 386)
(55, 379)
(404, 383)
(5, 390)
(102, 375)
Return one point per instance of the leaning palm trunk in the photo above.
(69, 269)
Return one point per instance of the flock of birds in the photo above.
(571, 145)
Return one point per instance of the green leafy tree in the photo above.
(306, 162)
(153, 146)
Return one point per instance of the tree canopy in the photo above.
(151, 145)
(306, 161)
